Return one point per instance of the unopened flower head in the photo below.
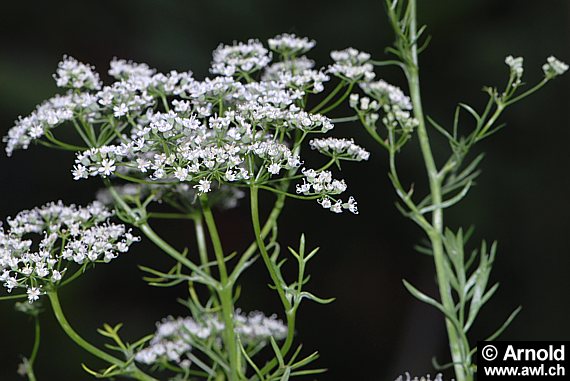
(554, 67)
(516, 67)
(41, 246)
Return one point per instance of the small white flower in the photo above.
(351, 205)
(107, 167)
(79, 172)
(204, 186)
(336, 207)
(55, 276)
(33, 294)
(274, 168)
(120, 110)
(10, 284)
(181, 173)
(325, 203)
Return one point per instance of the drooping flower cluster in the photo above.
(39, 245)
(340, 149)
(174, 337)
(322, 185)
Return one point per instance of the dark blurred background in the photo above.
(374, 330)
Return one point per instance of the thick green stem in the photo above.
(58, 312)
(201, 241)
(272, 271)
(436, 233)
(56, 307)
(267, 228)
(225, 293)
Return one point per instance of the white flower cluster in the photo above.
(123, 69)
(289, 44)
(395, 104)
(39, 244)
(554, 67)
(352, 65)
(297, 74)
(173, 338)
(324, 185)
(47, 115)
(240, 58)
(340, 149)
(516, 67)
(187, 161)
(172, 128)
(385, 93)
(76, 75)
(292, 66)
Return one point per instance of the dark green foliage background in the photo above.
(374, 330)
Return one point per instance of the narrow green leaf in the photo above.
(505, 325)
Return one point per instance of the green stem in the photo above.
(345, 119)
(81, 133)
(201, 240)
(328, 98)
(10, 297)
(171, 216)
(63, 145)
(527, 93)
(155, 238)
(277, 282)
(30, 363)
(56, 307)
(339, 100)
(435, 234)
(225, 292)
(134, 372)
(481, 134)
(267, 228)
(164, 246)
